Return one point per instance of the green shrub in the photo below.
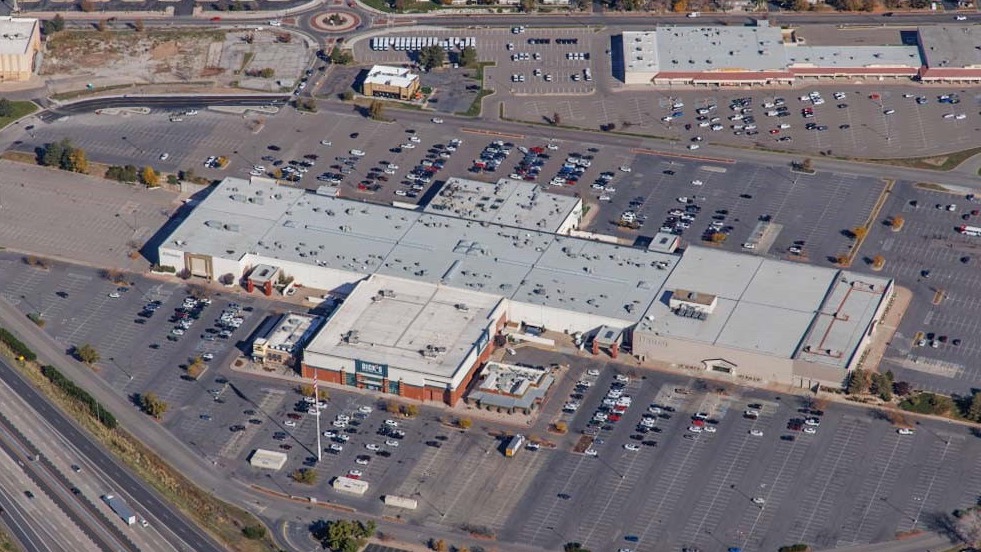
(16, 345)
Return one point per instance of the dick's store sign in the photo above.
(371, 369)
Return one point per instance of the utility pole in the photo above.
(316, 406)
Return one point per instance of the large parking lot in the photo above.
(861, 121)
(938, 345)
(700, 199)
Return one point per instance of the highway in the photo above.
(189, 537)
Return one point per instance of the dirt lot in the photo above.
(215, 58)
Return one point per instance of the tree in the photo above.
(196, 367)
(431, 57)
(859, 382)
(967, 525)
(347, 95)
(897, 222)
(718, 237)
(304, 475)
(78, 161)
(149, 177)
(254, 532)
(152, 404)
(53, 25)
(138, 26)
(859, 232)
(341, 57)
(440, 546)
(974, 411)
(680, 6)
(561, 427)
(878, 261)
(410, 410)
(392, 407)
(376, 110)
(801, 5)
(807, 165)
(343, 535)
(6, 107)
(527, 6)
(902, 388)
(51, 154)
(468, 56)
(556, 118)
(87, 354)
(101, 26)
(464, 423)
(86, 6)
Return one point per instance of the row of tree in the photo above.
(80, 395)
(64, 156)
(148, 176)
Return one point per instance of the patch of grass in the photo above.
(931, 186)
(246, 60)
(7, 543)
(381, 5)
(19, 157)
(224, 521)
(20, 109)
(475, 107)
(88, 92)
(934, 163)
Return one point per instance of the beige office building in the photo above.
(20, 42)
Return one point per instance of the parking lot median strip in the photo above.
(493, 133)
(643, 151)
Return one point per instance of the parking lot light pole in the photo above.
(316, 406)
(121, 369)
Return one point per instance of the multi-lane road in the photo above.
(182, 533)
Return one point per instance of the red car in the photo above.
(614, 418)
(215, 19)
(775, 131)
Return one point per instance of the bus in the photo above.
(514, 445)
(972, 231)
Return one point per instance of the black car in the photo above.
(434, 444)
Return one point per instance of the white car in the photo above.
(592, 372)
(208, 356)
(275, 23)
(905, 431)
(415, 139)
(625, 168)
(327, 143)
(693, 146)
(759, 500)
(810, 430)
(362, 461)
(622, 378)
(289, 423)
(654, 410)
(354, 473)
(343, 437)
(682, 199)
(339, 424)
(330, 434)
(164, 156)
(696, 182)
(960, 18)
(334, 447)
(631, 446)
(365, 409)
(114, 295)
(356, 153)
(812, 422)
(756, 432)
(407, 145)
(960, 117)
(694, 429)
(372, 446)
(177, 331)
(391, 423)
(591, 452)
(948, 115)
(889, 112)
(391, 443)
(437, 120)
(709, 429)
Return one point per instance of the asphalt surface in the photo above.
(191, 537)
